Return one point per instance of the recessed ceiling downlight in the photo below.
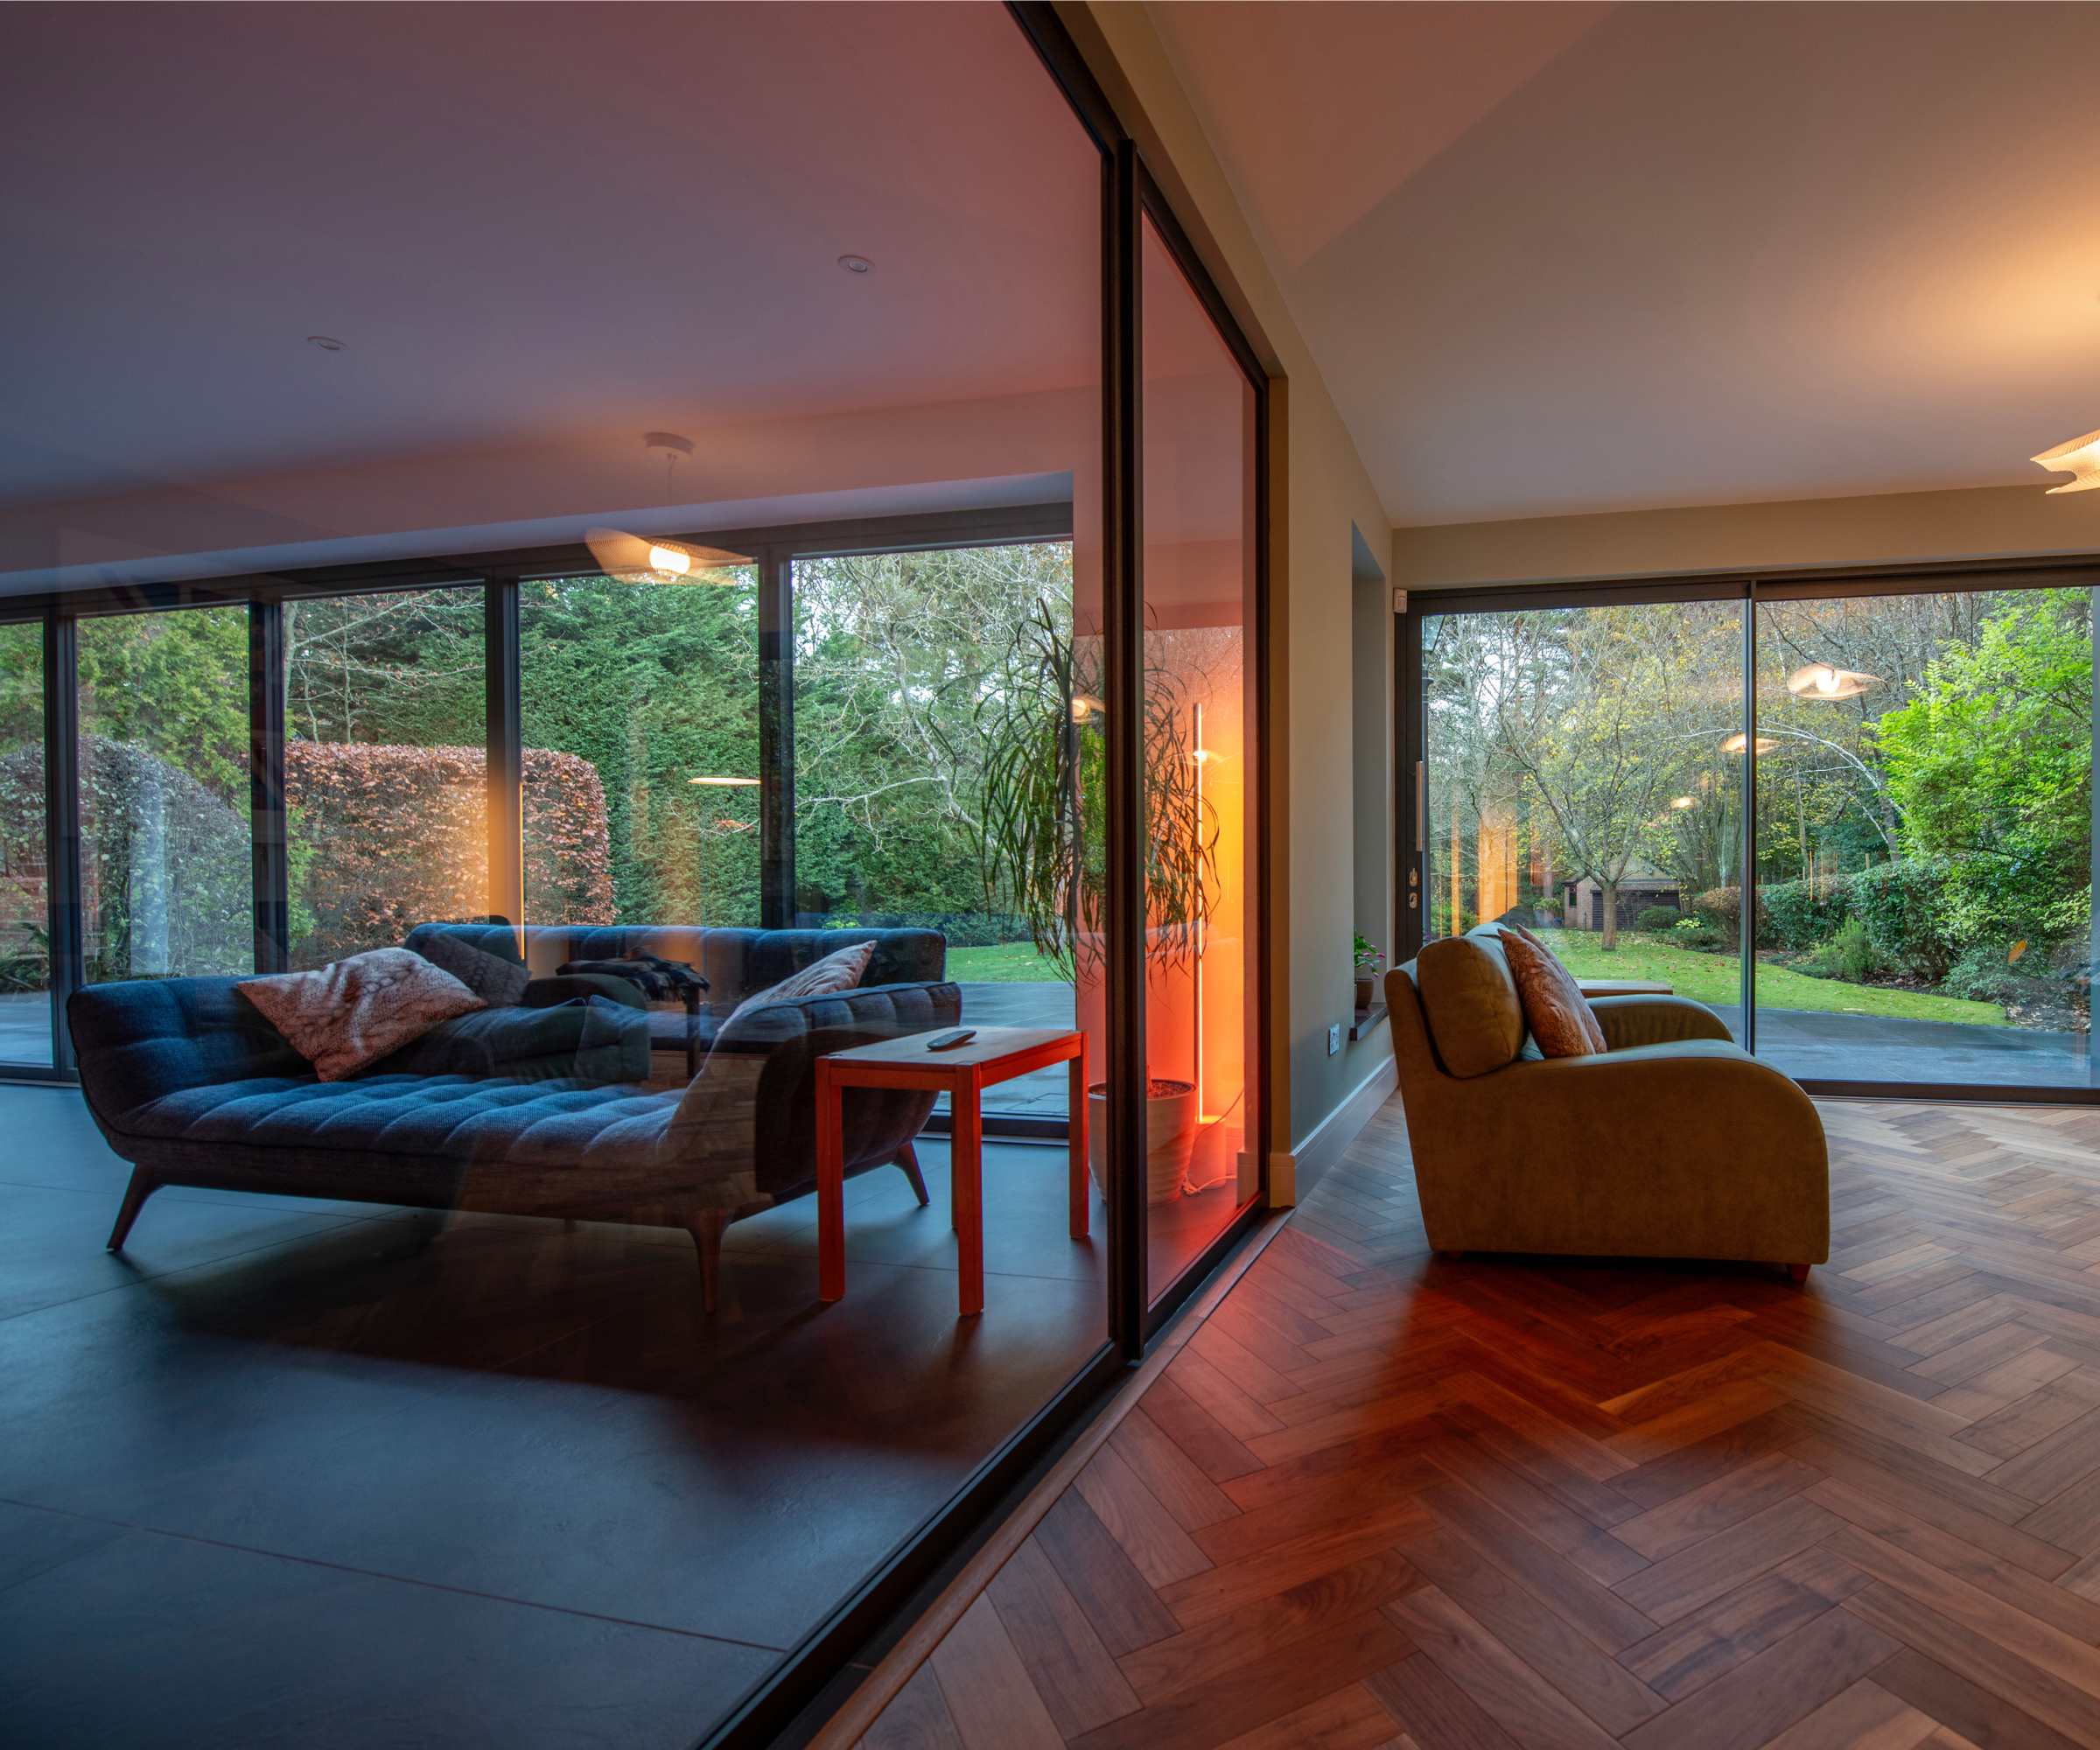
(856, 264)
(327, 343)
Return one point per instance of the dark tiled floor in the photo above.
(319, 1473)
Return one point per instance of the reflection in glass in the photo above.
(385, 767)
(637, 697)
(1925, 837)
(24, 920)
(166, 858)
(1584, 779)
(1199, 756)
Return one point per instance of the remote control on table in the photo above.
(949, 1041)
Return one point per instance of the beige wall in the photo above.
(1320, 487)
(1981, 522)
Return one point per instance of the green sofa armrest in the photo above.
(546, 993)
(1630, 1021)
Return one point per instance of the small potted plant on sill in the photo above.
(1369, 956)
(1043, 728)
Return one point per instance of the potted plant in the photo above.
(1368, 955)
(1044, 729)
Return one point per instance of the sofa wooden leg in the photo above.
(1799, 1272)
(706, 1229)
(143, 1186)
(907, 1158)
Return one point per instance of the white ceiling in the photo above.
(532, 225)
(1556, 258)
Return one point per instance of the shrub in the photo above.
(1721, 909)
(1655, 918)
(1803, 913)
(1696, 933)
(1904, 907)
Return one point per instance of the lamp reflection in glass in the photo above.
(658, 559)
(2080, 459)
(1734, 744)
(1820, 681)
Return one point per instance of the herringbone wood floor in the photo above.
(1384, 1501)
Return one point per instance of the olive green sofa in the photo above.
(1674, 1143)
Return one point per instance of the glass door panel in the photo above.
(25, 918)
(1924, 843)
(166, 846)
(642, 750)
(385, 762)
(921, 681)
(1199, 767)
(1582, 777)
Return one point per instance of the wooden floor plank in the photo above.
(1385, 1501)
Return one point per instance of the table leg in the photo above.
(830, 1189)
(1076, 1133)
(966, 1191)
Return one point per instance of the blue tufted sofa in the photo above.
(190, 1084)
(735, 962)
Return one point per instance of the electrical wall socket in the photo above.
(1334, 1039)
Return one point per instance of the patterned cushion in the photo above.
(1555, 1009)
(825, 977)
(356, 1011)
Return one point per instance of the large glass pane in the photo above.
(642, 750)
(386, 768)
(923, 684)
(1924, 837)
(1582, 780)
(25, 919)
(166, 851)
(1199, 765)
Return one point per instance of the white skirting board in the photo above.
(1292, 1175)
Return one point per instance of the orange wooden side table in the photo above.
(997, 1055)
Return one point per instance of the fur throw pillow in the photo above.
(354, 1012)
(1555, 1009)
(498, 982)
(835, 972)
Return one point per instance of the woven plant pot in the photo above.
(1170, 1138)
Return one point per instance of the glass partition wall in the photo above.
(1919, 853)
(428, 621)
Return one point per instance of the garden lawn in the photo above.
(1711, 978)
(1011, 962)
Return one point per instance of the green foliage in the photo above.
(1903, 908)
(1991, 765)
(1848, 954)
(1803, 913)
(1654, 918)
(1696, 933)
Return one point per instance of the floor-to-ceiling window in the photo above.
(385, 767)
(935, 708)
(641, 769)
(165, 860)
(1920, 853)
(1924, 868)
(24, 922)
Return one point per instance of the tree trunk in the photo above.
(1610, 945)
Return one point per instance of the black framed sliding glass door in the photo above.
(1918, 760)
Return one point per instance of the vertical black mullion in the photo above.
(1123, 622)
(62, 825)
(776, 740)
(506, 731)
(266, 785)
(1747, 883)
(1411, 774)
